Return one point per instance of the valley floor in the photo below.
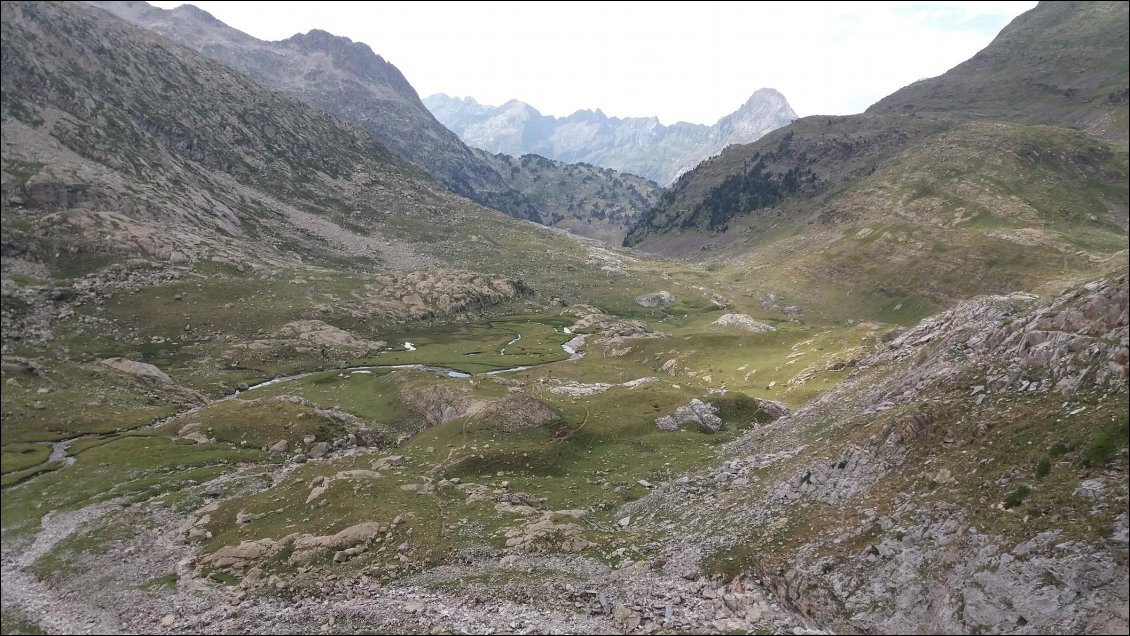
(566, 469)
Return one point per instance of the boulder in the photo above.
(389, 461)
(20, 365)
(773, 407)
(658, 300)
(347, 538)
(140, 370)
(696, 412)
(241, 555)
(743, 322)
(546, 536)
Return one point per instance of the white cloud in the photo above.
(693, 62)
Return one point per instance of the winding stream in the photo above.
(59, 449)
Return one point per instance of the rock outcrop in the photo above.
(743, 322)
(429, 294)
(140, 370)
(660, 300)
(696, 413)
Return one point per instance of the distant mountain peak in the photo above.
(765, 95)
(637, 145)
(187, 9)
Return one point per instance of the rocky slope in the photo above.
(586, 200)
(969, 477)
(899, 205)
(638, 145)
(348, 80)
(344, 78)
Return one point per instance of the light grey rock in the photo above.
(141, 370)
(696, 412)
(743, 322)
(1090, 488)
(660, 300)
(318, 450)
(389, 461)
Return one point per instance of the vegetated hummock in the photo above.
(265, 369)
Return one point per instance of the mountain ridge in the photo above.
(938, 184)
(628, 144)
(351, 81)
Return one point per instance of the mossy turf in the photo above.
(135, 466)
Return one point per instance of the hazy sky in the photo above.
(680, 61)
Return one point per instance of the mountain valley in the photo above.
(284, 358)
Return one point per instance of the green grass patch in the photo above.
(1016, 497)
(257, 423)
(18, 457)
(1106, 442)
(81, 399)
(15, 624)
(161, 583)
(136, 466)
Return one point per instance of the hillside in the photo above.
(923, 207)
(211, 290)
(969, 477)
(348, 80)
(1063, 64)
(637, 145)
(586, 200)
(179, 160)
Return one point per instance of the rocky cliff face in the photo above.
(639, 145)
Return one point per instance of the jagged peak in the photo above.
(517, 104)
(452, 98)
(765, 94)
(190, 10)
(587, 114)
(324, 39)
